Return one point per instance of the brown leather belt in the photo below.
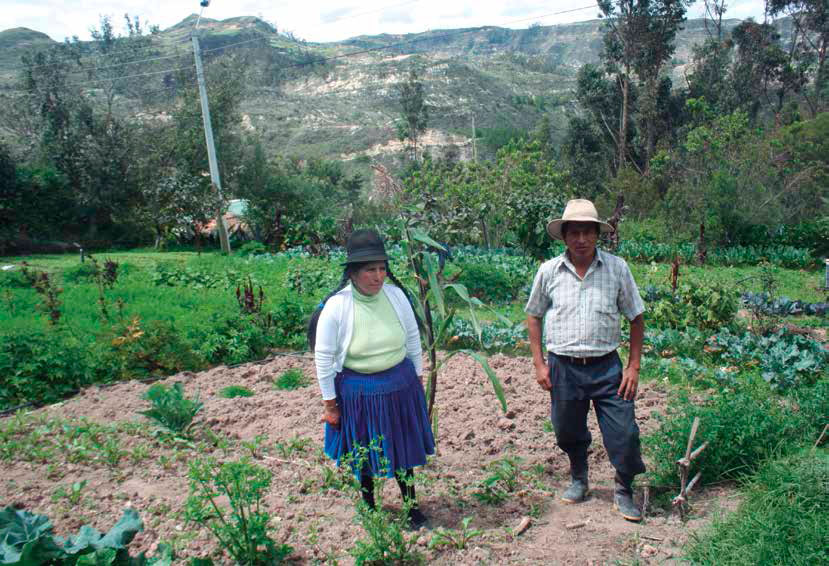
(589, 361)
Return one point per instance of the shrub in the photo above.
(243, 530)
(170, 408)
(290, 318)
(489, 283)
(782, 519)
(80, 273)
(315, 277)
(233, 391)
(702, 306)
(743, 430)
(291, 379)
(42, 367)
(131, 350)
(252, 248)
(231, 339)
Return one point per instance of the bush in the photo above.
(170, 408)
(782, 519)
(231, 339)
(494, 280)
(42, 367)
(131, 351)
(315, 277)
(80, 273)
(742, 429)
(290, 318)
(252, 248)
(701, 305)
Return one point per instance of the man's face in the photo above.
(581, 238)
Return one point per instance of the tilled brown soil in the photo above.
(317, 520)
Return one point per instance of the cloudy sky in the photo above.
(319, 20)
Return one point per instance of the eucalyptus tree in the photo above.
(640, 39)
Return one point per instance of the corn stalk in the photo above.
(431, 306)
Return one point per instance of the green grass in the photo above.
(233, 391)
(291, 379)
(782, 519)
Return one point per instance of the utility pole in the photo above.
(211, 149)
(474, 146)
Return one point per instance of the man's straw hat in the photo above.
(577, 210)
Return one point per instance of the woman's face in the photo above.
(369, 278)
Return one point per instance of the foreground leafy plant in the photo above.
(243, 529)
(457, 539)
(27, 540)
(171, 409)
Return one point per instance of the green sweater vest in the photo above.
(378, 342)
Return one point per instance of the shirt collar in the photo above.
(597, 261)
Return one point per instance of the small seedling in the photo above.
(233, 391)
(73, 494)
(457, 539)
(502, 481)
(292, 446)
(291, 379)
(256, 446)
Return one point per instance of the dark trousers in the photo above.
(574, 386)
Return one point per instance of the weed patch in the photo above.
(782, 519)
(233, 391)
(293, 378)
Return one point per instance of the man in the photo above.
(581, 293)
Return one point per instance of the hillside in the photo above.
(338, 100)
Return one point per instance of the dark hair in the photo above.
(564, 229)
(350, 269)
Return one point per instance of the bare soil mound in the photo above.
(318, 520)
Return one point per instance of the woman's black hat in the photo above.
(364, 246)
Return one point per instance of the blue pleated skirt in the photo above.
(384, 412)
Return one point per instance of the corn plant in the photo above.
(432, 308)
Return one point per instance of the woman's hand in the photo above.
(331, 413)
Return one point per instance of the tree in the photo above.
(415, 111)
(640, 38)
(811, 39)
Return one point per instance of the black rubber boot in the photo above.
(579, 487)
(623, 498)
(416, 518)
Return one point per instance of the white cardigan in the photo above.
(336, 327)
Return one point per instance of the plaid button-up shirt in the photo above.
(581, 316)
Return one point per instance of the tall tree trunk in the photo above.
(623, 119)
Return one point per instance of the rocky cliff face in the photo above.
(324, 100)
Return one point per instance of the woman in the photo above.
(367, 352)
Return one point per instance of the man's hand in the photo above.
(542, 376)
(331, 414)
(630, 383)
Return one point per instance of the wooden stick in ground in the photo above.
(697, 452)
(822, 434)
